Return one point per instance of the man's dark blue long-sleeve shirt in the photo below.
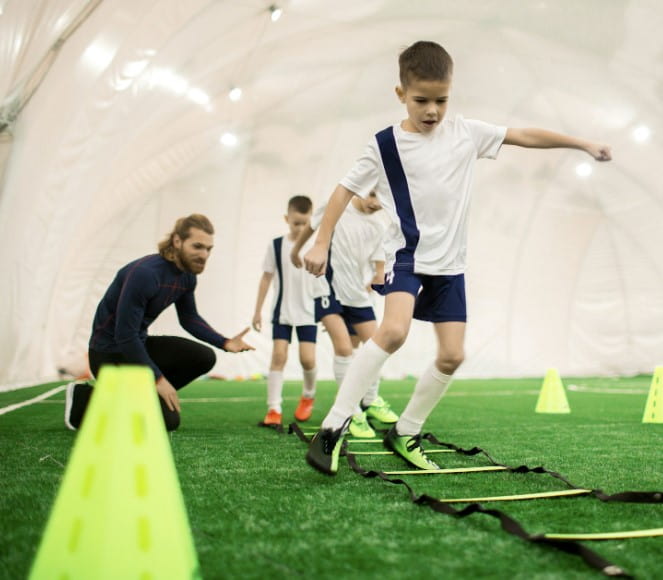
(141, 291)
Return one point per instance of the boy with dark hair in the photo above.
(293, 308)
(141, 291)
(422, 169)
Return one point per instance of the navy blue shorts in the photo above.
(307, 333)
(437, 298)
(351, 315)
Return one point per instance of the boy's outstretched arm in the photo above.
(315, 259)
(543, 139)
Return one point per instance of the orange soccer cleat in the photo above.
(272, 418)
(304, 409)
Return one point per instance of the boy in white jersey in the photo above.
(293, 307)
(422, 170)
(343, 301)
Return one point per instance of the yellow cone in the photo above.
(552, 398)
(119, 512)
(654, 406)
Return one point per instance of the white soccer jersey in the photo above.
(428, 230)
(293, 287)
(356, 245)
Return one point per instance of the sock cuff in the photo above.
(438, 375)
(373, 347)
(342, 359)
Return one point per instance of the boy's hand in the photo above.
(315, 260)
(257, 322)
(237, 344)
(168, 393)
(600, 152)
(295, 259)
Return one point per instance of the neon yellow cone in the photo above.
(552, 397)
(119, 512)
(654, 406)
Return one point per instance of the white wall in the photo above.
(107, 154)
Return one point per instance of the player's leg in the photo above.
(281, 337)
(343, 351)
(375, 407)
(365, 368)
(307, 340)
(442, 301)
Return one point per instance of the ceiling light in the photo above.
(641, 133)
(198, 96)
(235, 94)
(229, 139)
(276, 12)
(583, 170)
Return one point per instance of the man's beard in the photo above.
(190, 265)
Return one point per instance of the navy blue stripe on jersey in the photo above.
(401, 194)
(278, 244)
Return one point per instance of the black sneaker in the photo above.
(324, 450)
(77, 397)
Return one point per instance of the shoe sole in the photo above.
(68, 403)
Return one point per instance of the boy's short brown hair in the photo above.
(426, 61)
(300, 203)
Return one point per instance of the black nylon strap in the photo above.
(507, 523)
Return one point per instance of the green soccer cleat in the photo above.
(360, 428)
(324, 449)
(409, 448)
(381, 411)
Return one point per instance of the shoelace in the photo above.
(414, 443)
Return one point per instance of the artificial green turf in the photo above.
(257, 510)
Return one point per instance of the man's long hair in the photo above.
(183, 230)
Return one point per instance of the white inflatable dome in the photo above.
(116, 120)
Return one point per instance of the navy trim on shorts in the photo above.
(402, 200)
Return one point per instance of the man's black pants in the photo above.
(180, 360)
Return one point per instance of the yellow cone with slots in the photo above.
(654, 405)
(552, 397)
(119, 512)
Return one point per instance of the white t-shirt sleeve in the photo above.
(269, 263)
(487, 138)
(363, 177)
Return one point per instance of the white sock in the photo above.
(275, 390)
(365, 369)
(371, 394)
(308, 390)
(429, 389)
(341, 364)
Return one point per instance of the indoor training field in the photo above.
(256, 510)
